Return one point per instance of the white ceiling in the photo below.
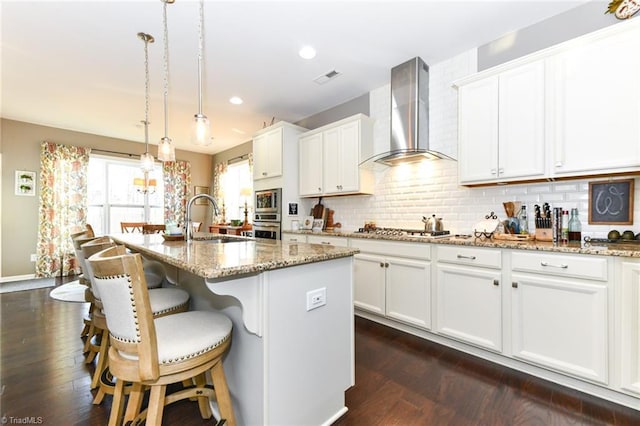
(79, 65)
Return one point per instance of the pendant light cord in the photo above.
(166, 70)
(200, 49)
(146, 92)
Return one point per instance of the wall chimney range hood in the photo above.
(409, 115)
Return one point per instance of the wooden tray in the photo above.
(167, 237)
(514, 237)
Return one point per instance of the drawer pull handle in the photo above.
(561, 266)
(514, 284)
(461, 256)
(496, 282)
(327, 243)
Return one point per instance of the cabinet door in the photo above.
(408, 291)
(478, 131)
(561, 323)
(310, 152)
(267, 160)
(597, 106)
(341, 157)
(521, 141)
(469, 306)
(369, 283)
(628, 311)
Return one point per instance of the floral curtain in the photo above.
(177, 181)
(63, 207)
(218, 176)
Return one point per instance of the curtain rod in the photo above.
(237, 159)
(106, 151)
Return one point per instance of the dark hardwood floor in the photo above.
(400, 379)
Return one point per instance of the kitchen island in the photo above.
(292, 353)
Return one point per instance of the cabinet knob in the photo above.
(386, 265)
(493, 171)
(382, 264)
(264, 173)
(496, 282)
(319, 189)
(514, 284)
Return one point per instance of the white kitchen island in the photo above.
(288, 364)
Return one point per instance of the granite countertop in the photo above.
(615, 249)
(208, 258)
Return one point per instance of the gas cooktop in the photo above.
(398, 232)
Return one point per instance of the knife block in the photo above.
(544, 234)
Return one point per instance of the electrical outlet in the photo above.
(316, 298)
(34, 258)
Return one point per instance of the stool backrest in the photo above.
(125, 299)
(78, 241)
(89, 249)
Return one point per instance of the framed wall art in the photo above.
(25, 183)
(611, 202)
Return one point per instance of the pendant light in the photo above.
(146, 159)
(166, 150)
(200, 132)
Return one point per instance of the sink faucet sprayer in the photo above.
(188, 231)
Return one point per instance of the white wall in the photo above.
(406, 193)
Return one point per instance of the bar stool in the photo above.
(164, 301)
(78, 239)
(155, 352)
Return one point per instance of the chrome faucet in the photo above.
(188, 231)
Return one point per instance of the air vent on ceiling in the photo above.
(327, 77)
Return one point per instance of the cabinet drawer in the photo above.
(294, 238)
(393, 248)
(332, 241)
(589, 267)
(488, 258)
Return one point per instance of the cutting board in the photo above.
(318, 210)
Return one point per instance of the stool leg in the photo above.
(203, 402)
(156, 405)
(134, 403)
(102, 359)
(222, 394)
(117, 406)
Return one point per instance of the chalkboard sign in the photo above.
(611, 203)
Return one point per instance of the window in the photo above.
(112, 197)
(237, 177)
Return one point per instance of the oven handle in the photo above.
(264, 225)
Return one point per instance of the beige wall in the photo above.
(20, 148)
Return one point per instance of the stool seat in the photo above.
(189, 334)
(166, 300)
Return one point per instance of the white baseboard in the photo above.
(17, 278)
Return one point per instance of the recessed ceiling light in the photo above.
(307, 52)
(236, 100)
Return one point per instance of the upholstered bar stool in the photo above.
(164, 301)
(155, 352)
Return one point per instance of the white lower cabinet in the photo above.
(393, 286)
(628, 323)
(468, 296)
(558, 321)
(328, 240)
(294, 238)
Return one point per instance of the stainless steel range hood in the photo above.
(409, 115)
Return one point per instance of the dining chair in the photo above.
(128, 227)
(155, 352)
(149, 228)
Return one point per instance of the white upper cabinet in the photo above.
(570, 110)
(502, 133)
(267, 154)
(596, 106)
(330, 157)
